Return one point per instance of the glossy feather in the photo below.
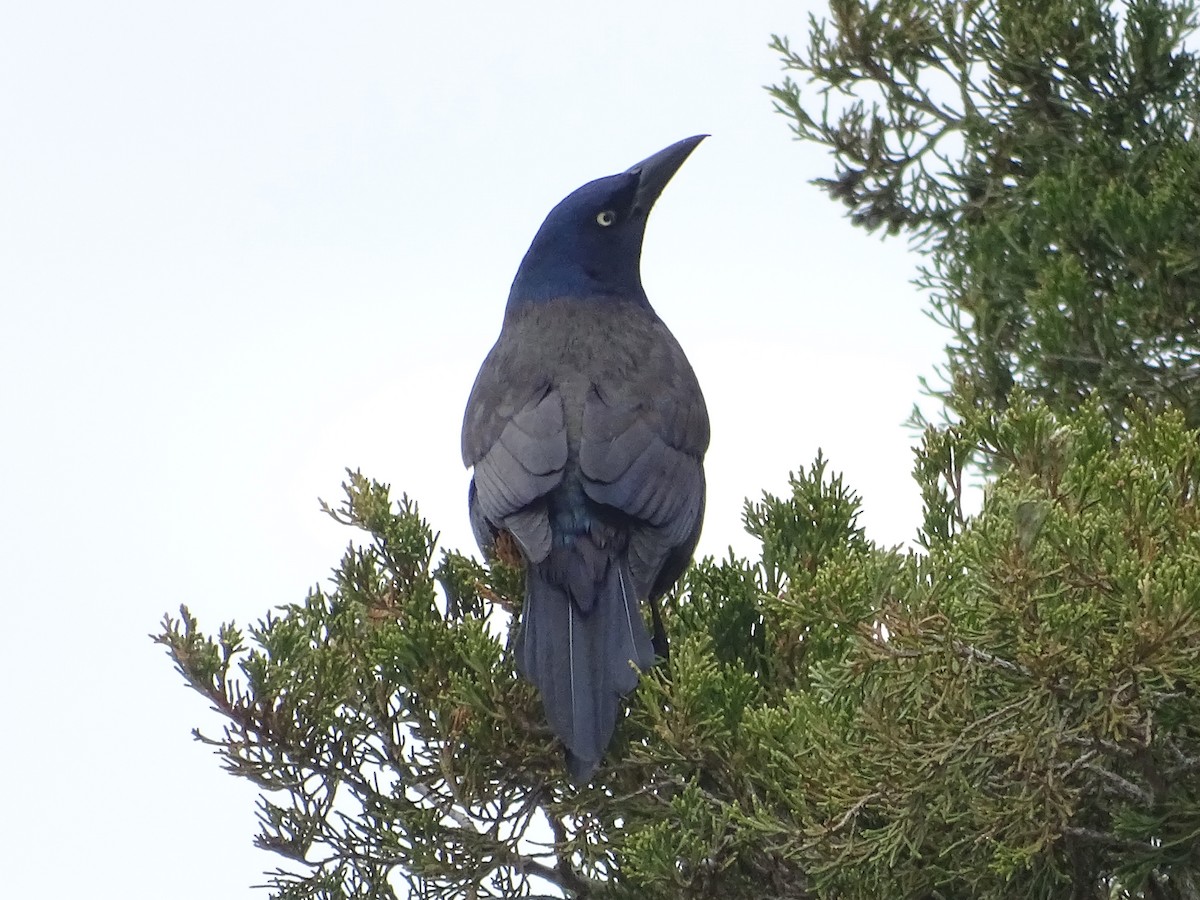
(587, 429)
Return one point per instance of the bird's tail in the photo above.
(581, 635)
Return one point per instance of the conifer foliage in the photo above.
(1044, 154)
(1011, 708)
(1011, 711)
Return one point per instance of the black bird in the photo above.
(587, 430)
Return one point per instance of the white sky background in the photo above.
(246, 245)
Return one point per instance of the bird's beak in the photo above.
(655, 171)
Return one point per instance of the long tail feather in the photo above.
(581, 656)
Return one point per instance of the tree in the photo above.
(1011, 711)
(1044, 154)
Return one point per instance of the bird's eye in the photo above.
(606, 218)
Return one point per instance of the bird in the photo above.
(586, 431)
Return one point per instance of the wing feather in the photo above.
(646, 462)
(522, 464)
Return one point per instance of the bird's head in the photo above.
(591, 243)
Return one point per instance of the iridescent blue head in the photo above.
(591, 243)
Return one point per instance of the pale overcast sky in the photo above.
(246, 245)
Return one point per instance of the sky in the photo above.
(244, 246)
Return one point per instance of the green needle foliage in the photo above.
(1044, 155)
(1011, 712)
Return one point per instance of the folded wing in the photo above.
(645, 460)
(518, 459)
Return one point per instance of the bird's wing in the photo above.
(518, 446)
(642, 455)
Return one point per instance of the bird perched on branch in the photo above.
(587, 429)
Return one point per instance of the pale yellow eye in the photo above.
(606, 218)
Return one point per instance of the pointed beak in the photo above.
(655, 171)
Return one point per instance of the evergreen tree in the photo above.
(1044, 155)
(1011, 711)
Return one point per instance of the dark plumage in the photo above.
(587, 430)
